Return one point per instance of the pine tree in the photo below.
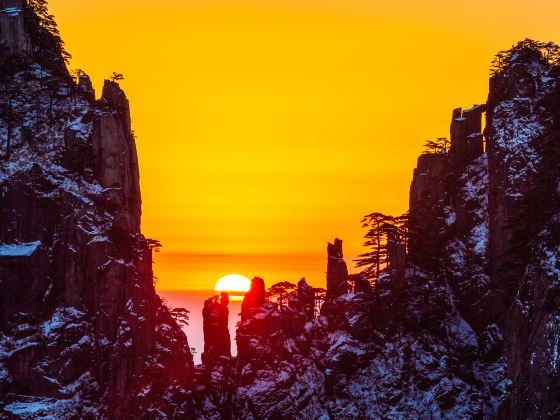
(48, 46)
(320, 295)
(378, 226)
(280, 292)
(115, 77)
(374, 260)
(401, 224)
(181, 316)
(438, 146)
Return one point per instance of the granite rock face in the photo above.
(14, 38)
(516, 124)
(82, 331)
(115, 158)
(467, 142)
(524, 244)
(425, 193)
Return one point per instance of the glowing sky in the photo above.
(268, 127)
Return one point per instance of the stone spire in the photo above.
(337, 273)
(253, 299)
(115, 158)
(215, 325)
(466, 136)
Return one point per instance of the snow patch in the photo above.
(19, 249)
(11, 11)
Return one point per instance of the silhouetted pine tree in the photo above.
(48, 46)
(402, 228)
(320, 295)
(439, 145)
(378, 226)
(280, 292)
(115, 77)
(181, 316)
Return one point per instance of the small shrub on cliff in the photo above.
(154, 245)
(438, 146)
(116, 77)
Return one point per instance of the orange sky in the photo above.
(268, 127)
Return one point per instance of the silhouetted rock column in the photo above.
(253, 299)
(115, 158)
(466, 136)
(337, 273)
(216, 333)
(351, 312)
(426, 191)
(85, 87)
(306, 298)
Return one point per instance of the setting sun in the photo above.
(235, 284)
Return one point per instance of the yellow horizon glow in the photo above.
(267, 128)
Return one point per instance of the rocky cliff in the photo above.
(82, 331)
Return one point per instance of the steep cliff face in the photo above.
(524, 146)
(517, 121)
(15, 40)
(115, 159)
(424, 203)
(83, 332)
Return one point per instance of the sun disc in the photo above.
(233, 283)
